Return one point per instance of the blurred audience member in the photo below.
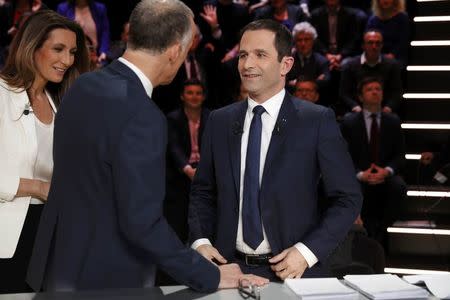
(118, 47)
(185, 127)
(371, 64)
(335, 25)
(306, 62)
(202, 64)
(306, 89)
(376, 145)
(12, 15)
(283, 12)
(93, 18)
(47, 54)
(221, 22)
(390, 18)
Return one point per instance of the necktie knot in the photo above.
(258, 110)
(374, 117)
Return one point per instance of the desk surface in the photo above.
(273, 291)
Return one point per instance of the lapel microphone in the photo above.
(237, 128)
(28, 109)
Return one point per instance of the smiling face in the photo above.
(262, 74)
(55, 56)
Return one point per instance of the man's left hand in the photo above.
(289, 264)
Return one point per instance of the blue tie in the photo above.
(251, 215)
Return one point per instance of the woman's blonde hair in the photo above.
(398, 6)
(20, 68)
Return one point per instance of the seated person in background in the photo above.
(371, 64)
(118, 47)
(436, 161)
(201, 64)
(306, 89)
(306, 62)
(93, 18)
(376, 145)
(185, 127)
(390, 18)
(282, 12)
(335, 26)
(220, 23)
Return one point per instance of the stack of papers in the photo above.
(385, 286)
(320, 288)
(437, 284)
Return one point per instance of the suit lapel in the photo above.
(365, 149)
(235, 137)
(283, 127)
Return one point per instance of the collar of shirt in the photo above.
(144, 79)
(272, 105)
(367, 114)
(364, 60)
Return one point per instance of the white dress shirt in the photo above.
(368, 122)
(269, 119)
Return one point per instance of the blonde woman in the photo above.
(390, 18)
(46, 55)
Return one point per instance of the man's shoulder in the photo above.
(351, 118)
(391, 118)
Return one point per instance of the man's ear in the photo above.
(174, 52)
(286, 65)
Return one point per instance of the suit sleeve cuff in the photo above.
(310, 258)
(359, 175)
(200, 242)
(390, 170)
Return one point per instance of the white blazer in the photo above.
(18, 152)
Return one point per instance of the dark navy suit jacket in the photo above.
(306, 145)
(392, 141)
(102, 226)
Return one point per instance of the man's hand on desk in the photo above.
(211, 254)
(231, 275)
(289, 264)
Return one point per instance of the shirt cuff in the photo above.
(390, 170)
(200, 242)
(359, 175)
(310, 258)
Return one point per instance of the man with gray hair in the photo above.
(103, 227)
(308, 64)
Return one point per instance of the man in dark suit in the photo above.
(335, 25)
(254, 196)
(281, 11)
(185, 128)
(376, 144)
(201, 63)
(371, 64)
(103, 226)
(308, 63)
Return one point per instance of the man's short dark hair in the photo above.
(155, 25)
(308, 79)
(283, 37)
(193, 81)
(372, 30)
(365, 81)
